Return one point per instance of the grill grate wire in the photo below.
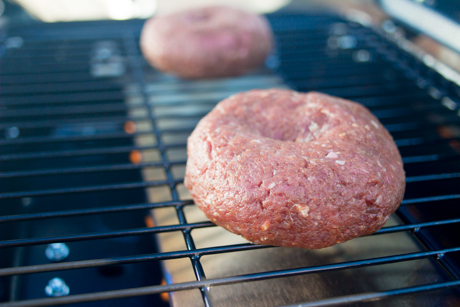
(384, 97)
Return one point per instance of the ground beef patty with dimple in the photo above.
(293, 169)
(206, 42)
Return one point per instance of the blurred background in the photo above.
(84, 10)
(72, 10)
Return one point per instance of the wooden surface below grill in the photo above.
(304, 288)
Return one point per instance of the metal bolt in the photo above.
(14, 42)
(12, 132)
(389, 26)
(26, 201)
(338, 29)
(272, 61)
(361, 56)
(57, 287)
(347, 42)
(57, 251)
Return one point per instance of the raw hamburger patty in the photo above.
(206, 42)
(292, 169)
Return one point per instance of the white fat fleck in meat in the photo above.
(375, 124)
(306, 139)
(324, 128)
(272, 185)
(313, 127)
(303, 210)
(340, 162)
(274, 172)
(265, 225)
(354, 125)
(256, 141)
(309, 138)
(332, 155)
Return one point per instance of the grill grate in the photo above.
(77, 145)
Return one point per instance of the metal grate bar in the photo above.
(376, 296)
(197, 267)
(67, 67)
(96, 188)
(103, 235)
(78, 109)
(52, 139)
(429, 199)
(186, 253)
(88, 169)
(434, 157)
(233, 280)
(80, 152)
(342, 71)
(53, 123)
(71, 86)
(423, 140)
(432, 177)
(393, 99)
(63, 98)
(80, 212)
(45, 78)
(130, 259)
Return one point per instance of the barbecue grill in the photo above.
(93, 150)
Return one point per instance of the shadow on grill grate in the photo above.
(93, 158)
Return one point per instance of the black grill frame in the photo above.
(383, 48)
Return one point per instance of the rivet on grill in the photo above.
(422, 83)
(448, 103)
(347, 42)
(435, 93)
(12, 132)
(272, 61)
(361, 56)
(14, 42)
(338, 29)
(332, 43)
(57, 251)
(57, 287)
(26, 201)
(389, 26)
